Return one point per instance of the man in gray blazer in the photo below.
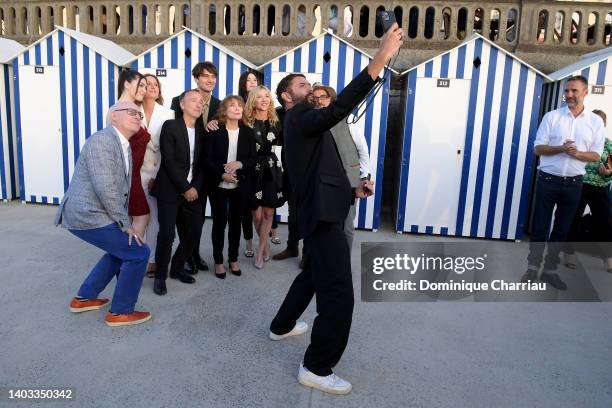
(95, 209)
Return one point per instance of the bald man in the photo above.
(95, 209)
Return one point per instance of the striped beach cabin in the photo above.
(332, 61)
(596, 67)
(467, 156)
(173, 59)
(9, 188)
(64, 84)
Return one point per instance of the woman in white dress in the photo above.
(155, 114)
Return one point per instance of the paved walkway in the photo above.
(206, 345)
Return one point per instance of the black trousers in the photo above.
(598, 200)
(292, 239)
(180, 228)
(190, 216)
(326, 275)
(550, 191)
(227, 207)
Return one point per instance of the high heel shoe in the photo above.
(258, 266)
(237, 273)
(220, 275)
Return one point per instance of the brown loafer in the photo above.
(78, 306)
(127, 319)
(287, 253)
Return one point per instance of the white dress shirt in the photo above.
(232, 151)
(586, 130)
(191, 136)
(125, 147)
(356, 131)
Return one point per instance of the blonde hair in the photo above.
(249, 109)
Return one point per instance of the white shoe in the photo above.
(331, 384)
(299, 328)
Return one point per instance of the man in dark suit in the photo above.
(177, 187)
(323, 195)
(205, 76)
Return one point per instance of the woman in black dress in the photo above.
(267, 190)
(230, 158)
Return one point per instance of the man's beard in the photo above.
(307, 99)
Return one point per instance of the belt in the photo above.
(564, 178)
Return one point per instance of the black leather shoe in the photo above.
(183, 277)
(200, 264)
(190, 271)
(220, 275)
(159, 286)
(553, 280)
(190, 267)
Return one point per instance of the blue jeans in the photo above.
(130, 260)
(550, 191)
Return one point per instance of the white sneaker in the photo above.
(299, 328)
(331, 384)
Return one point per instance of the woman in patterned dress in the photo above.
(261, 115)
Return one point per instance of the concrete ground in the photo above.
(207, 344)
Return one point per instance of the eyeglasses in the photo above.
(131, 112)
(321, 97)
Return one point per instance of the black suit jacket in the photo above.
(171, 181)
(212, 110)
(217, 144)
(319, 183)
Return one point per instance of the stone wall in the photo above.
(547, 34)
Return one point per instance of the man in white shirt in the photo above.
(567, 139)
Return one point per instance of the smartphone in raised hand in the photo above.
(387, 19)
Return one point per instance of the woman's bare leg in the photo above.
(263, 250)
